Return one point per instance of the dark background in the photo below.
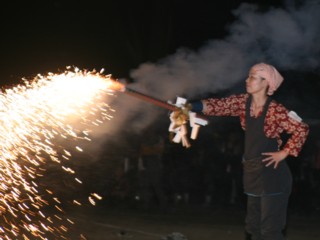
(42, 36)
(46, 36)
(117, 35)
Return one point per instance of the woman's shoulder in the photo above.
(277, 109)
(241, 96)
(277, 106)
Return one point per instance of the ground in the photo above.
(194, 223)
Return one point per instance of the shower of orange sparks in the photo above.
(33, 115)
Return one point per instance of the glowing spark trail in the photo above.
(33, 117)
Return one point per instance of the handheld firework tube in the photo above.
(179, 117)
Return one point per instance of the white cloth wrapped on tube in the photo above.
(179, 124)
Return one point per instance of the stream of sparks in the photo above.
(33, 116)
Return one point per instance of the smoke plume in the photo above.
(287, 38)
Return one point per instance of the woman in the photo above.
(266, 176)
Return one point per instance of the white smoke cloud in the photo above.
(287, 38)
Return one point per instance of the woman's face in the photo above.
(255, 83)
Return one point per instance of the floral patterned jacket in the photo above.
(277, 120)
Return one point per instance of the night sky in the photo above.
(42, 36)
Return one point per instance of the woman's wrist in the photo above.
(286, 151)
(196, 106)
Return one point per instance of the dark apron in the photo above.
(257, 178)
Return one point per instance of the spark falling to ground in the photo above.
(35, 116)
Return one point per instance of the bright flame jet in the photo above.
(34, 115)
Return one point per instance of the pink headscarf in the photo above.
(270, 74)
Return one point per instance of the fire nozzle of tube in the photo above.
(116, 85)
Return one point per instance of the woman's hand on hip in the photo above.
(274, 157)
